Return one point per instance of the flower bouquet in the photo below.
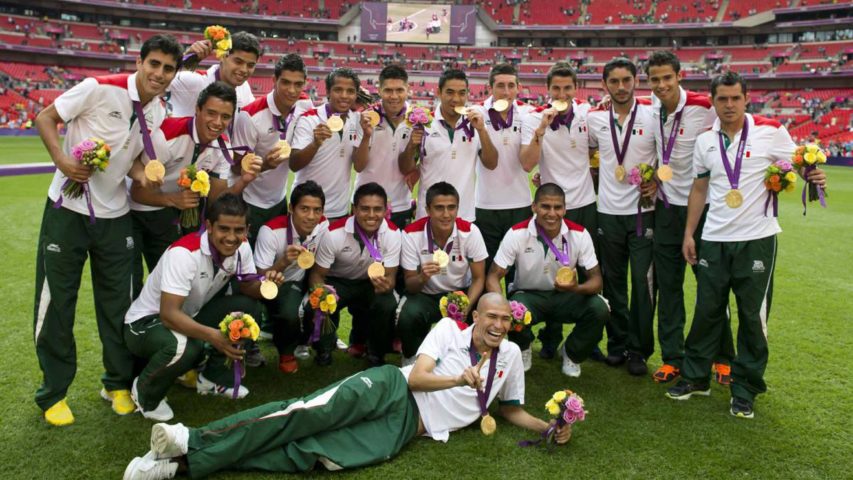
(521, 316)
(198, 181)
(454, 305)
(418, 117)
(807, 157)
(239, 328)
(324, 301)
(566, 408)
(93, 153)
(779, 176)
(594, 168)
(220, 38)
(642, 173)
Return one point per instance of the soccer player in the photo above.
(263, 124)
(235, 68)
(502, 196)
(359, 259)
(680, 116)
(179, 142)
(380, 410)
(450, 147)
(738, 247)
(624, 137)
(182, 303)
(280, 243)
(376, 159)
(96, 225)
(323, 155)
(543, 250)
(461, 249)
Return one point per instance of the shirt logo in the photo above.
(712, 149)
(270, 130)
(528, 250)
(757, 266)
(367, 382)
(203, 275)
(346, 249)
(650, 233)
(434, 134)
(115, 114)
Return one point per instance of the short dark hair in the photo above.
(393, 72)
(368, 189)
(561, 69)
(163, 43)
(619, 62)
(342, 72)
(227, 204)
(549, 190)
(441, 188)
(659, 58)
(502, 69)
(220, 90)
(307, 189)
(292, 63)
(728, 79)
(451, 74)
(245, 42)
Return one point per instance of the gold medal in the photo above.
(247, 161)
(305, 260)
(441, 258)
(565, 275)
(373, 118)
(500, 105)
(665, 173)
(488, 425)
(155, 171)
(283, 149)
(560, 105)
(335, 123)
(376, 270)
(734, 199)
(620, 173)
(461, 110)
(269, 289)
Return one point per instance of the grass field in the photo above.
(802, 427)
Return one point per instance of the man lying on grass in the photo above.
(367, 417)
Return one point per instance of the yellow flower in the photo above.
(527, 317)
(552, 408)
(810, 157)
(224, 45)
(101, 153)
(196, 186)
(811, 148)
(559, 396)
(821, 157)
(789, 187)
(254, 330)
(791, 177)
(203, 176)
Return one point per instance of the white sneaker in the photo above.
(406, 361)
(206, 387)
(265, 335)
(163, 412)
(302, 352)
(570, 368)
(149, 468)
(527, 358)
(342, 345)
(168, 441)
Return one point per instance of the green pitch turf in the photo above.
(802, 427)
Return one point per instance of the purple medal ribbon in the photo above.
(483, 396)
(86, 193)
(381, 111)
(431, 243)
(734, 175)
(498, 122)
(282, 126)
(666, 150)
(226, 150)
(773, 197)
(370, 243)
(620, 153)
(563, 256)
(465, 126)
(820, 193)
(564, 119)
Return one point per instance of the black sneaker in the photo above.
(548, 352)
(323, 359)
(741, 408)
(597, 356)
(615, 359)
(374, 360)
(254, 358)
(637, 364)
(684, 390)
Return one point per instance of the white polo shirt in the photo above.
(507, 186)
(697, 116)
(386, 144)
(444, 411)
(468, 246)
(564, 155)
(186, 86)
(102, 107)
(449, 161)
(331, 166)
(186, 270)
(767, 142)
(272, 243)
(257, 130)
(175, 144)
(615, 198)
(345, 257)
(535, 264)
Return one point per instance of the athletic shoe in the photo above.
(374, 360)
(323, 359)
(188, 380)
(723, 374)
(357, 350)
(206, 387)
(741, 408)
(254, 358)
(406, 361)
(527, 358)
(683, 390)
(302, 352)
(596, 355)
(120, 399)
(163, 412)
(666, 373)
(265, 335)
(59, 414)
(548, 352)
(149, 468)
(169, 441)
(340, 344)
(637, 364)
(287, 364)
(615, 359)
(570, 368)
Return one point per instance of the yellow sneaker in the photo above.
(189, 379)
(122, 403)
(59, 415)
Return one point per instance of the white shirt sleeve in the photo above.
(265, 248)
(245, 132)
(179, 269)
(438, 340)
(303, 133)
(247, 263)
(76, 100)
(699, 167)
(783, 146)
(184, 91)
(326, 251)
(505, 257)
(475, 246)
(529, 124)
(410, 257)
(391, 248)
(591, 138)
(512, 391)
(586, 256)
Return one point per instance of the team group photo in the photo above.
(260, 239)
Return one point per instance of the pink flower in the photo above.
(77, 153)
(452, 309)
(574, 404)
(784, 165)
(635, 178)
(569, 416)
(87, 145)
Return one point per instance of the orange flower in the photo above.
(245, 333)
(777, 187)
(237, 324)
(774, 178)
(234, 336)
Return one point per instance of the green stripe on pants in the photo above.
(361, 420)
